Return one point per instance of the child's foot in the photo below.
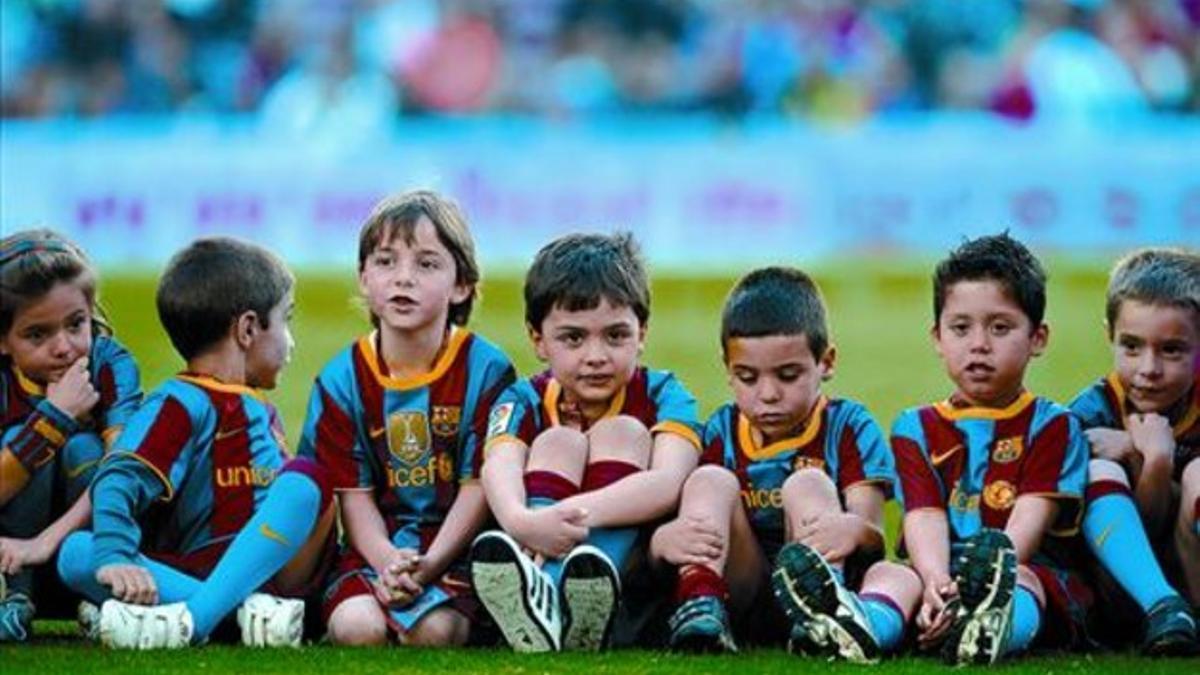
(16, 617)
(701, 625)
(126, 626)
(88, 617)
(809, 592)
(590, 590)
(987, 577)
(520, 597)
(270, 621)
(1170, 629)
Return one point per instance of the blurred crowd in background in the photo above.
(300, 63)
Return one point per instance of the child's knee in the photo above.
(79, 459)
(807, 484)
(358, 622)
(711, 481)
(441, 628)
(560, 450)
(1101, 470)
(887, 573)
(622, 438)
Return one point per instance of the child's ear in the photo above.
(934, 337)
(245, 328)
(828, 361)
(1039, 339)
(643, 328)
(539, 345)
(460, 293)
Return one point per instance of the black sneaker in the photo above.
(809, 591)
(987, 579)
(1170, 629)
(518, 595)
(590, 590)
(701, 625)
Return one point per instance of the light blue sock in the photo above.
(616, 542)
(1115, 535)
(1026, 621)
(76, 570)
(268, 542)
(887, 623)
(552, 566)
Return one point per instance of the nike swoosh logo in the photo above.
(1103, 537)
(267, 532)
(938, 459)
(222, 435)
(74, 473)
(376, 433)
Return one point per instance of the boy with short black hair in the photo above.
(237, 512)
(588, 451)
(1143, 422)
(993, 477)
(811, 474)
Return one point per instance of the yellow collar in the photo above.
(367, 345)
(750, 438)
(212, 383)
(27, 385)
(948, 411)
(554, 394)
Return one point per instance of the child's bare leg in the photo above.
(443, 627)
(1187, 530)
(300, 571)
(358, 622)
(617, 447)
(561, 451)
(746, 567)
(808, 494)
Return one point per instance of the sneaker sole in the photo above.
(590, 595)
(703, 644)
(819, 608)
(985, 631)
(503, 590)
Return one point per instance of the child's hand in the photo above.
(553, 531)
(687, 541)
(834, 535)
(1113, 444)
(129, 583)
(936, 614)
(1152, 435)
(73, 393)
(395, 578)
(16, 554)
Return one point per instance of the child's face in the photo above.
(776, 380)
(593, 352)
(411, 287)
(272, 348)
(986, 340)
(50, 334)
(1157, 350)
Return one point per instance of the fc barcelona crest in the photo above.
(445, 420)
(408, 436)
(1000, 495)
(1008, 450)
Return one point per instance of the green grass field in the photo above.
(880, 323)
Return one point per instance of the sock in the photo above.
(269, 541)
(546, 488)
(76, 570)
(886, 619)
(697, 581)
(1115, 535)
(616, 542)
(1026, 621)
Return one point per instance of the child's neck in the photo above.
(409, 354)
(225, 363)
(960, 400)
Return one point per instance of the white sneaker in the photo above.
(591, 589)
(126, 626)
(270, 621)
(520, 597)
(88, 616)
